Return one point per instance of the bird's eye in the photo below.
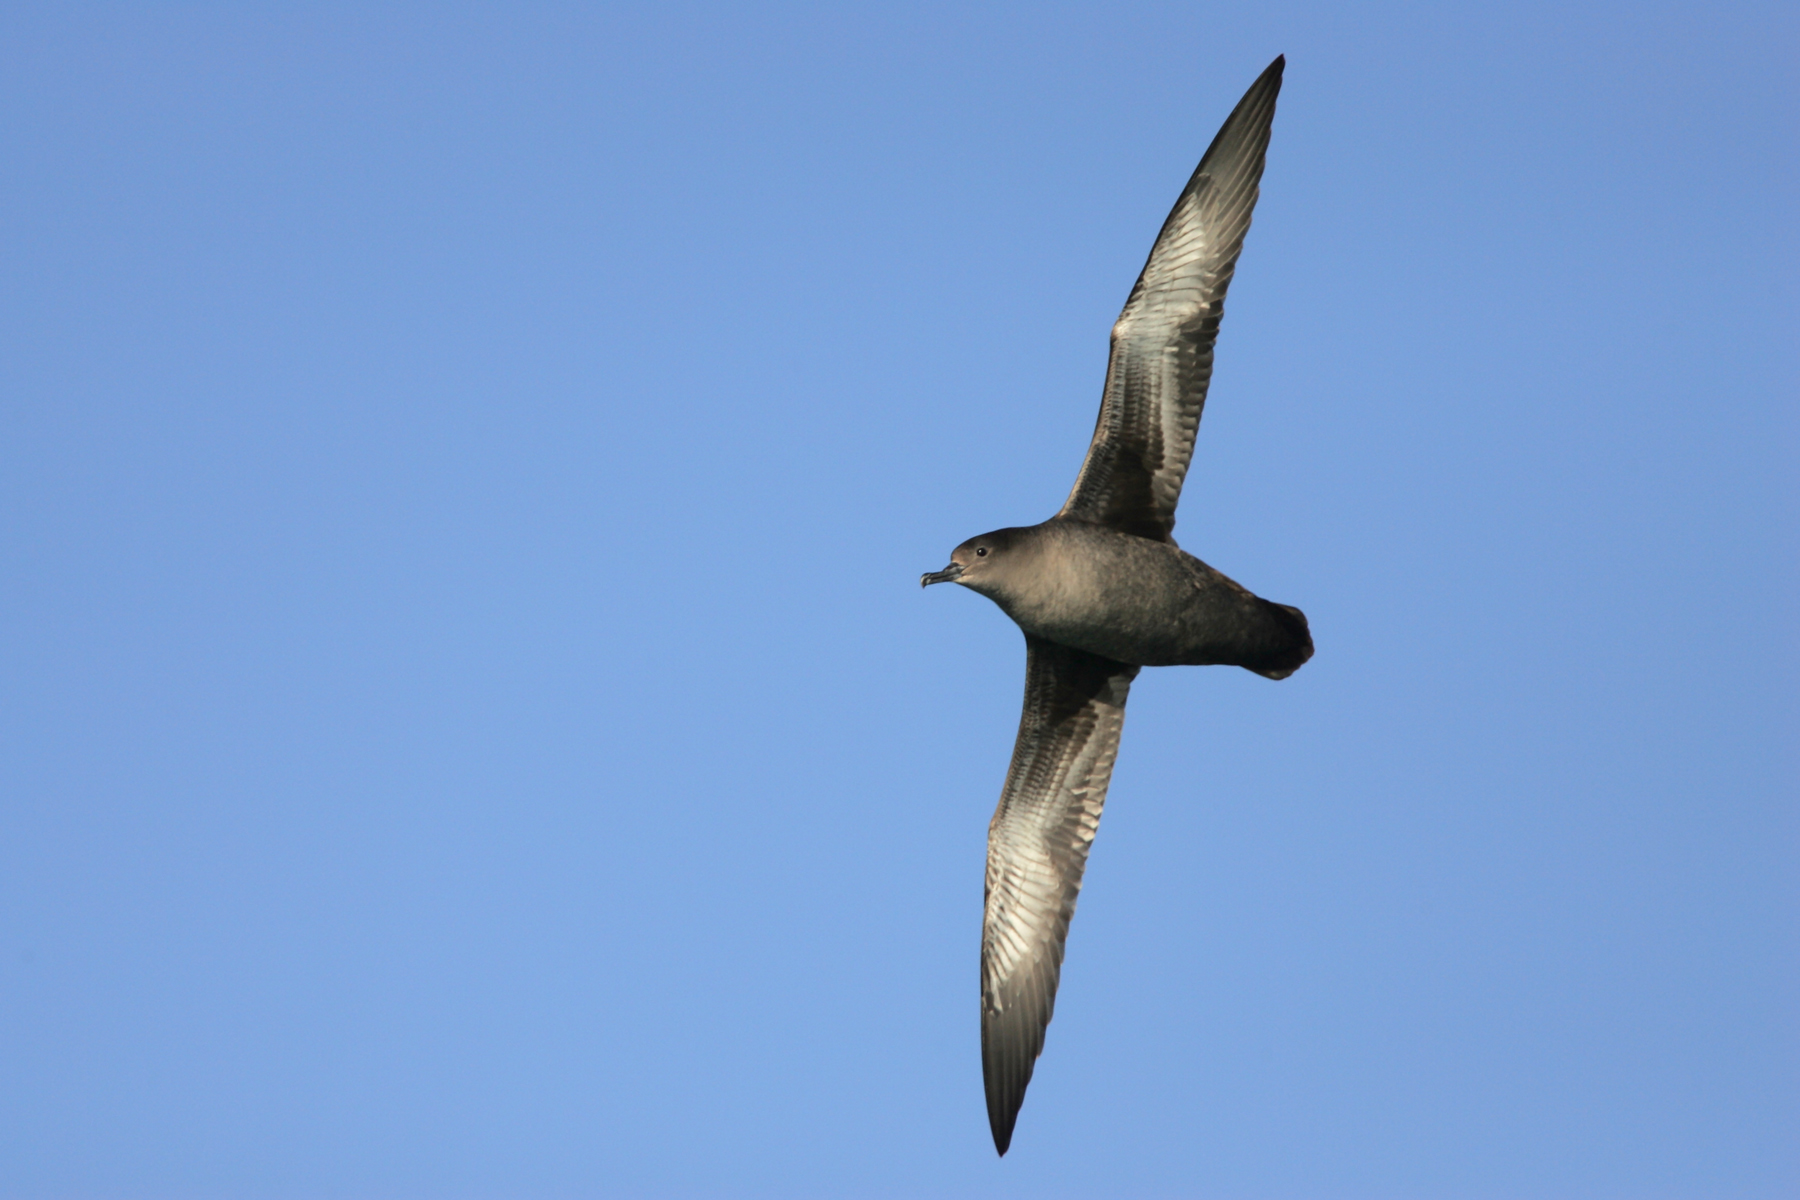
(981, 552)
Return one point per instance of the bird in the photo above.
(1102, 590)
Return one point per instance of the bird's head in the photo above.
(980, 563)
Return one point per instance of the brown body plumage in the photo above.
(1102, 590)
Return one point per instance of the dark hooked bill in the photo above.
(944, 576)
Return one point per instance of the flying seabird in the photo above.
(1102, 590)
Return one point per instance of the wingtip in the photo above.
(1005, 1090)
(1002, 1129)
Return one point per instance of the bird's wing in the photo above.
(1162, 344)
(1037, 846)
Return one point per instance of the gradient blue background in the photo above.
(471, 727)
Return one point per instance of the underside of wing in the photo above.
(1037, 848)
(1162, 344)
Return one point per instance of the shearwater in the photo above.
(1102, 590)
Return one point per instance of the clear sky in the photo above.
(470, 726)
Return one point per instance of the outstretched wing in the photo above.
(1162, 344)
(1037, 847)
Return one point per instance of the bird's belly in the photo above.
(1143, 603)
(1119, 606)
(1140, 634)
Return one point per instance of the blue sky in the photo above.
(471, 727)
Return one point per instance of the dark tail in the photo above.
(1284, 644)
